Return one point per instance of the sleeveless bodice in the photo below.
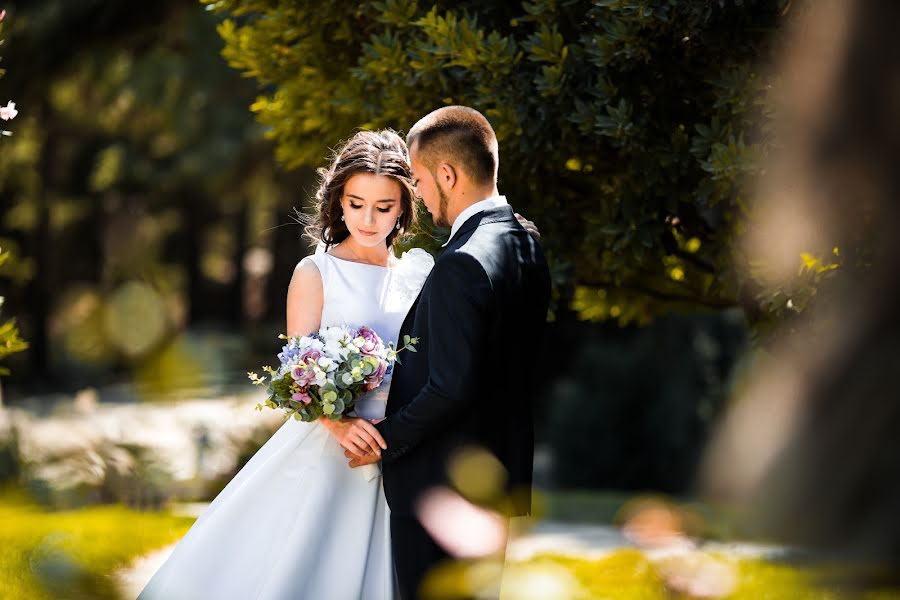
(379, 297)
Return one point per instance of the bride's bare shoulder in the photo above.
(305, 297)
(306, 274)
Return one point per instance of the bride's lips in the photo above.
(365, 233)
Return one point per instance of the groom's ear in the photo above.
(447, 175)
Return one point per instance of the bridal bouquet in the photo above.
(325, 373)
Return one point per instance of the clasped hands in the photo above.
(361, 441)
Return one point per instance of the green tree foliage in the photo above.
(627, 128)
(136, 184)
(10, 342)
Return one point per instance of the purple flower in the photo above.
(311, 356)
(301, 397)
(375, 379)
(381, 371)
(288, 354)
(304, 373)
(371, 342)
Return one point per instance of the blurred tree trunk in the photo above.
(94, 248)
(288, 244)
(192, 227)
(286, 251)
(234, 308)
(37, 294)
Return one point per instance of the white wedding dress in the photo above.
(297, 522)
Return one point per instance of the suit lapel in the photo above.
(493, 215)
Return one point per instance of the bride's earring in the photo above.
(342, 217)
(398, 224)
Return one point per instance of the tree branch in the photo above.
(669, 296)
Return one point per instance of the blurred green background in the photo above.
(149, 186)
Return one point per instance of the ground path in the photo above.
(556, 537)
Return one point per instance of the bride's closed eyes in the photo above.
(379, 209)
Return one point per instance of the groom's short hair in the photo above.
(458, 135)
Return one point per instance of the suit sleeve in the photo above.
(459, 309)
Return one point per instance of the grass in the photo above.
(629, 575)
(605, 507)
(71, 554)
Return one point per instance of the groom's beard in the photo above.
(441, 220)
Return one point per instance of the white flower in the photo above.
(9, 111)
(326, 364)
(333, 349)
(334, 334)
(310, 343)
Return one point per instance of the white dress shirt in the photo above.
(481, 205)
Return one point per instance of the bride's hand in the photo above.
(359, 461)
(356, 435)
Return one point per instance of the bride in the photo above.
(296, 522)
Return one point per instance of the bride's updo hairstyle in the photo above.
(376, 152)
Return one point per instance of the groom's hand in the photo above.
(529, 226)
(358, 461)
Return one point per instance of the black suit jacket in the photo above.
(479, 318)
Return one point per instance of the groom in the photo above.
(479, 318)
